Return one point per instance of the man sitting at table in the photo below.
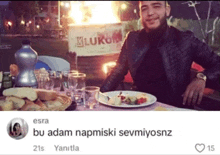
(159, 58)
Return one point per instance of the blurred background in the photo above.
(45, 23)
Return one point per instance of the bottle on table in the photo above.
(26, 59)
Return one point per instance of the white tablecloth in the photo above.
(152, 107)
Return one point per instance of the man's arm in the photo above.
(120, 70)
(204, 56)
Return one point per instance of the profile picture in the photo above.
(17, 128)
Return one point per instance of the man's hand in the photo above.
(194, 92)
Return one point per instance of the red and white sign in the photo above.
(92, 40)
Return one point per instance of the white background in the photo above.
(189, 128)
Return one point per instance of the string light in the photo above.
(9, 23)
(22, 22)
(123, 6)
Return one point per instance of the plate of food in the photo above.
(126, 99)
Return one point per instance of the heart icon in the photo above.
(200, 147)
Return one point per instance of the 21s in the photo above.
(38, 148)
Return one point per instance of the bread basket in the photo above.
(66, 102)
(63, 99)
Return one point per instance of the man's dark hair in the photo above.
(166, 2)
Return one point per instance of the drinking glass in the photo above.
(65, 73)
(41, 80)
(68, 91)
(56, 79)
(49, 83)
(76, 82)
(91, 96)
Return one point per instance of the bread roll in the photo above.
(18, 102)
(6, 106)
(41, 104)
(64, 99)
(52, 104)
(46, 95)
(30, 106)
(23, 92)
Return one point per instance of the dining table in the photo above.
(157, 106)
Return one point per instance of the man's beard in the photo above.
(163, 22)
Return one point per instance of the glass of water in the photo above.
(42, 79)
(66, 87)
(68, 83)
(77, 83)
(49, 83)
(55, 79)
(91, 96)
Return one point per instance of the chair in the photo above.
(54, 63)
(127, 83)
